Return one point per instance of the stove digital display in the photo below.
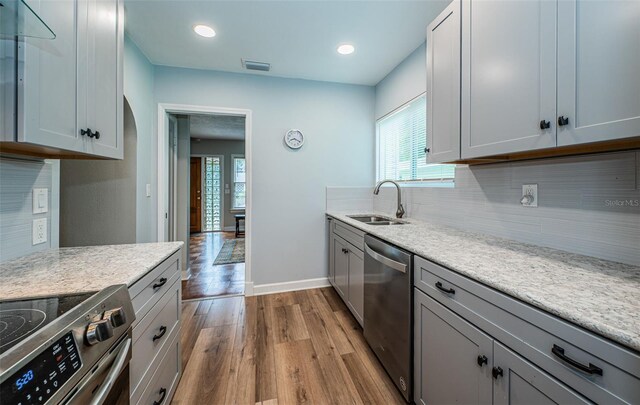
(43, 376)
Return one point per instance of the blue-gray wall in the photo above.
(288, 187)
(138, 90)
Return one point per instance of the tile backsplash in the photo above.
(587, 204)
(18, 178)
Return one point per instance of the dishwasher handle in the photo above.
(401, 267)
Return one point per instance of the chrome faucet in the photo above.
(400, 210)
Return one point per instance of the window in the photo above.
(212, 193)
(402, 139)
(238, 197)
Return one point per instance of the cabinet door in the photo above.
(446, 350)
(341, 267)
(101, 40)
(598, 65)
(443, 86)
(508, 76)
(523, 383)
(330, 243)
(356, 283)
(47, 80)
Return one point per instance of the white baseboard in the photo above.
(262, 289)
(248, 288)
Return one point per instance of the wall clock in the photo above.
(294, 139)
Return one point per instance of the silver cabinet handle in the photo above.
(401, 267)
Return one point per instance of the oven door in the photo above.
(108, 382)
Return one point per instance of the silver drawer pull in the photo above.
(401, 267)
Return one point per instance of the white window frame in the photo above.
(446, 183)
(233, 183)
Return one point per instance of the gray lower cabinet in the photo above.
(520, 382)
(346, 265)
(446, 353)
(455, 362)
(155, 367)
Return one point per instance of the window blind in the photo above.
(402, 138)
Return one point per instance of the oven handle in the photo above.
(118, 365)
(401, 267)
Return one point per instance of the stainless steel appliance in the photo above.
(388, 309)
(71, 349)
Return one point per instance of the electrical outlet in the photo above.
(529, 195)
(39, 231)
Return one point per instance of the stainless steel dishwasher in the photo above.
(388, 309)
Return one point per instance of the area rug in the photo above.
(232, 252)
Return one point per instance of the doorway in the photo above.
(219, 179)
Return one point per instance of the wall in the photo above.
(405, 82)
(138, 90)
(288, 186)
(98, 197)
(17, 180)
(183, 186)
(582, 199)
(587, 204)
(225, 148)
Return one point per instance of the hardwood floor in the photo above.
(301, 347)
(206, 279)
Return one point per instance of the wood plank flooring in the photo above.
(206, 279)
(301, 347)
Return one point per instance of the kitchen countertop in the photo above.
(80, 269)
(599, 295)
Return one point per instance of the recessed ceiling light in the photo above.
(204, 31)
(346, 49)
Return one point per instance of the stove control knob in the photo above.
(116, 316)
(99, 331)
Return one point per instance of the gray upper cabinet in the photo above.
(443, 86)
(519, 382)
(452, 358)
(73, 83)
(48, 81)
(598, 64)
(508, 76)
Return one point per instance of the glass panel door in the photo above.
(212, 193)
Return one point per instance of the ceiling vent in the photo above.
(252, 65)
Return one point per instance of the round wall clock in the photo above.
(294, 139)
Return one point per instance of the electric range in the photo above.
(66, 349)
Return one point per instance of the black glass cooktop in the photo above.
(20, 319)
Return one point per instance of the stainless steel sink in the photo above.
(375, 220)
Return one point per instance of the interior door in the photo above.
(195, 206)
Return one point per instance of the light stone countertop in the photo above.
(80, 269)
(599, 295)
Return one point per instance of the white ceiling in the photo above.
(226, 127)
(298, 37)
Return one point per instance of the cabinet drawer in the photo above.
(146, 292)
(151, 335)
(533, 333)
(162, 384)
(349, 233)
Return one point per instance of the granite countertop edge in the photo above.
(72, 268)
(627, 337)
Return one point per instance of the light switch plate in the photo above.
(532, 191)
(40, 200)
(39, 231)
